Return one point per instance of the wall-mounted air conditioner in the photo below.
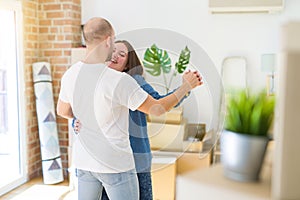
(245, 6)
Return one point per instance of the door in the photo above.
(11, 140)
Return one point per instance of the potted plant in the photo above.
(157, 62)
(245, 138)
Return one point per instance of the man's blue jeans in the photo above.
(119, 186)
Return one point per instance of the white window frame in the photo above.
(16, 6)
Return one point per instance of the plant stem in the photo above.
(174, 74)
(165, 80)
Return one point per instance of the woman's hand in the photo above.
(76, 125)
(193, 79)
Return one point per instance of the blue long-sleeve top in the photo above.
(138, 135)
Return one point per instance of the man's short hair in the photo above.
(96, 29)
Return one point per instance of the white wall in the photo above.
(247, 35)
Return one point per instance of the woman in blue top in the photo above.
(125, 59)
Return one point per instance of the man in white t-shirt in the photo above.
(100, 97)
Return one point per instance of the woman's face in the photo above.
(119, 57)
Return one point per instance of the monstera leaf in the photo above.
(156, 60)
(183, 60)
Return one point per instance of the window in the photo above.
(12, 107)
(3, 101)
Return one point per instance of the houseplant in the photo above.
(245, 138)
(157, 62)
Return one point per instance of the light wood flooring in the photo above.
(35, 189)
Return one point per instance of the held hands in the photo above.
(192, 79)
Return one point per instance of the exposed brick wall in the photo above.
(31, 51)
(51, 29)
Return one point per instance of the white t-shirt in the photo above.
(100, 98)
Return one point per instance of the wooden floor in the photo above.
(35, 189)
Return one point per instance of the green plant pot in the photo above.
(242, 155)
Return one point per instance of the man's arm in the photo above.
(152, 92)
(64, 110)
(160, 106)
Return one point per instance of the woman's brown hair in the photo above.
(133, 65)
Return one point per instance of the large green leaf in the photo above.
(233, 120)
(156, 61)
(255, 118)
(183, 60)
